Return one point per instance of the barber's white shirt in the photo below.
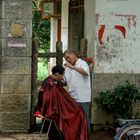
(79, 85)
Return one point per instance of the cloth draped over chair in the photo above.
(56, 104)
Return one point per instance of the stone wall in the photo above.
(15, 65)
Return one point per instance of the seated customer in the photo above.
(56, 104)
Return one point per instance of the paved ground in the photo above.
(33, 136)
(99, 135)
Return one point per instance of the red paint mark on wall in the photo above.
(100, 33)
(129, 23)
(131, 18)
(107, 38)
(97, 18)
(122, 29)
(102, 29)
(122, 15)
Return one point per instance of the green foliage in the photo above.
(119, 101)
(42, 71)
(41, 29)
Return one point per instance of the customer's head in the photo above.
(58, 72)
(71, 56)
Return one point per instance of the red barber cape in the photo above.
(56, 104)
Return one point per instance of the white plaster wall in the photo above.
(117, 36)
(53, 34)
(89, 25)
(53, 40)
(64, 27)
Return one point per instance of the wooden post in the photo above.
(83, 48)
(59, 54)
(35, 45)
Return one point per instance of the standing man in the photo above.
(78, 81)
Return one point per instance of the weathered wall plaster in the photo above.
(117, 36)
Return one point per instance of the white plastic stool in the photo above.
(42, 126)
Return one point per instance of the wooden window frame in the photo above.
(51, 15)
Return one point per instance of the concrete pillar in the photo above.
(15, 65)
(64, 27)
(89, 25)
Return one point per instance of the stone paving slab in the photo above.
(23, 137)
